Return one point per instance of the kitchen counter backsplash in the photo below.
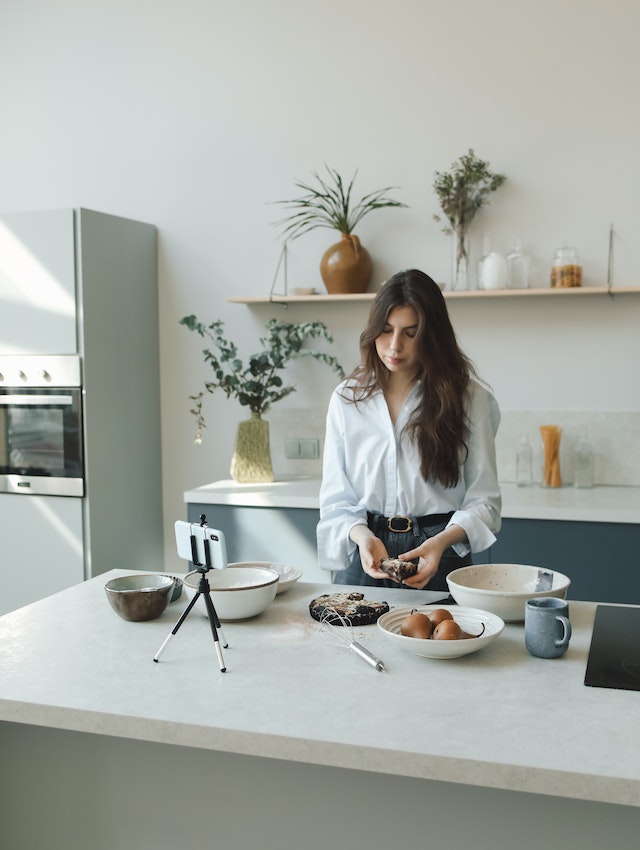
(613, 436)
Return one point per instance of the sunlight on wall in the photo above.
(24, 279)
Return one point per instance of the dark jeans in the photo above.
(397, 542)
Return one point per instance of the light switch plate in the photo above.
(305, 448)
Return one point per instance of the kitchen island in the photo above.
(300, 743)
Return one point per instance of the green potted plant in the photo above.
(345, 266)
(257, 385)
(462, 191)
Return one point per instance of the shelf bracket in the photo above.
(610, 262)
(282, 261)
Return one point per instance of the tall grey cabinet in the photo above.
(77, 281)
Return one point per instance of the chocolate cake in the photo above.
(352, 606)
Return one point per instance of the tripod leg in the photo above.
(183, 617)
(216, 620)
(213, 618)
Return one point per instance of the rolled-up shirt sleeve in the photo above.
(340, 508)
(480, 512)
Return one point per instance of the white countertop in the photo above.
(499, 718)
(596, 504)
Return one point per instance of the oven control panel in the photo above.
(37, 370)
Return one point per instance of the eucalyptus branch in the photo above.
(257, 385)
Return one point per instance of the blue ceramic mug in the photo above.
(547, 629)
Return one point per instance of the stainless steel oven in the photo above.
(41, 435)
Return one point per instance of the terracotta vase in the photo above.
(346, 266)
(251, 461)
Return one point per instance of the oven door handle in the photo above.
(34, 400)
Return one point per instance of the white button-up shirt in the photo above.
(371, 465)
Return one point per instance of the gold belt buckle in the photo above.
(408, 520)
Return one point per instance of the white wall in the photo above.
(194, 115)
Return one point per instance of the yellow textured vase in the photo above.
(251, 461)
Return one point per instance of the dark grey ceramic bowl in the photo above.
(139, 597)
(176, 593)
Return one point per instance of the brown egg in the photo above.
(416, 625)
(439, 615)
(447, 630)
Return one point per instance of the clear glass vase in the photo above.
(460, 272)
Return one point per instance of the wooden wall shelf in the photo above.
(580, 291)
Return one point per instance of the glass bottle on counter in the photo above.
(583, 458)
(518, 267)
(566, 270)
(524, 462)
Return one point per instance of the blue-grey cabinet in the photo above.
(602, 559)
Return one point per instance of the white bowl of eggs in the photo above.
(433, 631)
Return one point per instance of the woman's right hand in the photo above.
(372, 550)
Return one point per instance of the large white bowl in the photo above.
(504, 588)
(287, 575)
(470, 620)
(238, 593)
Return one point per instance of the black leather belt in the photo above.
(401, 524)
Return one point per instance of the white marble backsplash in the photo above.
(288, 423)
(614, 436)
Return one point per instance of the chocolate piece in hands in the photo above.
(398, 569)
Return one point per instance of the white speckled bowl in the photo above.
(503, 589)
(470, 620)
(238, 593)
(287, 575)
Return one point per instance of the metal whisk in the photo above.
(337, 630)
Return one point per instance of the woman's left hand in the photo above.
(429, 554)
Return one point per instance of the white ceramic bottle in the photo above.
(492, 269)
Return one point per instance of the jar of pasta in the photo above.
(566, 270)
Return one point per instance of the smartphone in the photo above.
(194, 540)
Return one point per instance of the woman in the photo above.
(409, 466)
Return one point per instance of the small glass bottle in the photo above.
(566, 270)
(583, 457)
(524, 462)
(519, 267)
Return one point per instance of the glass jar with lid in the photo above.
(519, 267)
(566, 270)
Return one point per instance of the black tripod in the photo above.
(203, 590)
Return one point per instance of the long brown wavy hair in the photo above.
(439, 424)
